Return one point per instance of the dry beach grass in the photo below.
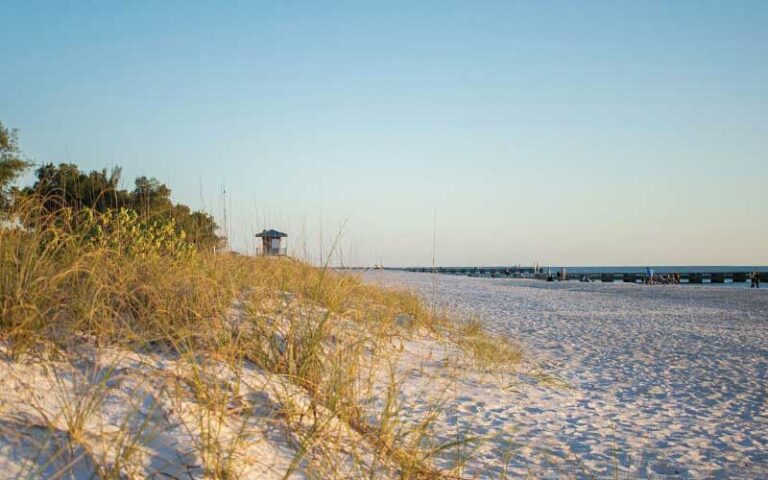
(126, 360)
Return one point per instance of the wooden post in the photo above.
(695, 278)
(740, 277)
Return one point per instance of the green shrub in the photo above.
(124, 231)
(121, 231)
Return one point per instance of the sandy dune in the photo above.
(662, 381)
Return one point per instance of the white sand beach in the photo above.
(617, 381)
(657, 382)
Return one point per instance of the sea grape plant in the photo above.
(124, 231)
(120, 230)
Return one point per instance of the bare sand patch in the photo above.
(662, 382)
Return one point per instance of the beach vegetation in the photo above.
(82, 275)
(64, 190)
(12, 162)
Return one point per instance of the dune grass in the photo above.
(327, 341)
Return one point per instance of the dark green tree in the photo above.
(11, 162)
(199, 226)
(150, 197)
(65, 186)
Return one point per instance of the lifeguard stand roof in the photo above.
(271, 234)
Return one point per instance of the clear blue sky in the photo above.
(484, 132)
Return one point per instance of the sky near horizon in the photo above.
(471, 133)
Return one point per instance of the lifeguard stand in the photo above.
(272, 243)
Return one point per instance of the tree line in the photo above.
(65, 186)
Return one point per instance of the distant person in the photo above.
(649, 275)
(755, 277)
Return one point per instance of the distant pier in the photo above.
(477, 271)
(593, 275)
